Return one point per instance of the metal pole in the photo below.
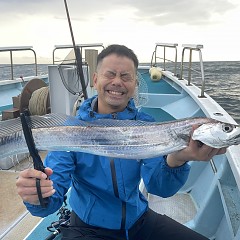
(190, 68)
(77, 55)
(11, 60)
(164, 58)
(202, 73)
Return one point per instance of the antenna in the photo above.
(77, 55)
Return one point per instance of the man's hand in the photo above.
(195, 151)
(26, 185)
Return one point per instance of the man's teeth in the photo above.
(115, 93)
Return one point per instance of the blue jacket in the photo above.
(105, 192)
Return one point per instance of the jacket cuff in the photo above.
(183, 167)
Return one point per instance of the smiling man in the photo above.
(105, 198)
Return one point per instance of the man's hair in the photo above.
(119, 50)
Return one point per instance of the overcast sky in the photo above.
(138, 24)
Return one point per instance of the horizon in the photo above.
(18, 61)
(23, 57)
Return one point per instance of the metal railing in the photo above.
(165, 45)
(191, 48)
(19, 48)
(81, 46)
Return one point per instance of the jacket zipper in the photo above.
(115, 186)
(116, 193)
(114, 115)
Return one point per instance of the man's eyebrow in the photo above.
(111, 71)
(125, 73)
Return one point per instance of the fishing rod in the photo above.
(77, 55)
(37, 162)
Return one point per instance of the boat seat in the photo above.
(190, 108)
(10, 113)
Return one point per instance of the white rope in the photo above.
(38, 101)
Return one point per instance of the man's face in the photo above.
(115, 83)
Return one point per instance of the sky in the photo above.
(136, 24)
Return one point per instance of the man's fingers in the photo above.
(26, 185)
(222, 151)
(33, 198)
(33, 173)
(30, 182)
(48, 171)
(33, 190)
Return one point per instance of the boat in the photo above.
(209, 202)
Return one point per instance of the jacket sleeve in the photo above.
(62, 164)
(162, 180)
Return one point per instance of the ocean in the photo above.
(223, 85)
(222, 81)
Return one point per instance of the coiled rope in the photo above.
(38, 101)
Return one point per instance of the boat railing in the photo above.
(165, 46)
(80, 46)
(191, 48)
(15, 49)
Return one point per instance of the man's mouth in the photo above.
(115, 93)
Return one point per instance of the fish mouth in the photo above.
(235, 139)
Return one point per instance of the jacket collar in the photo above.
(88, 111)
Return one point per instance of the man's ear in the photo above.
(94, 80)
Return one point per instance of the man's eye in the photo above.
(110, 75)
(126, 77)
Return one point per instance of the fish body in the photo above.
(127, 139)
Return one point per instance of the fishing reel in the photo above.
(64, 218)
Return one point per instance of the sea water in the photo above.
(222, 80)
(223, 85)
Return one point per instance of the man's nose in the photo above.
(117, 80)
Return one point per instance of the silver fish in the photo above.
(127, 139)
(217, 135)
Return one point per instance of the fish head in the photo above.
(218, 135)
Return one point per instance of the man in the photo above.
(105, 198)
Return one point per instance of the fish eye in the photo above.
(227, 128)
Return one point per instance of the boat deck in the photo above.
(182, 212)
(179, 207)
(15, 220)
